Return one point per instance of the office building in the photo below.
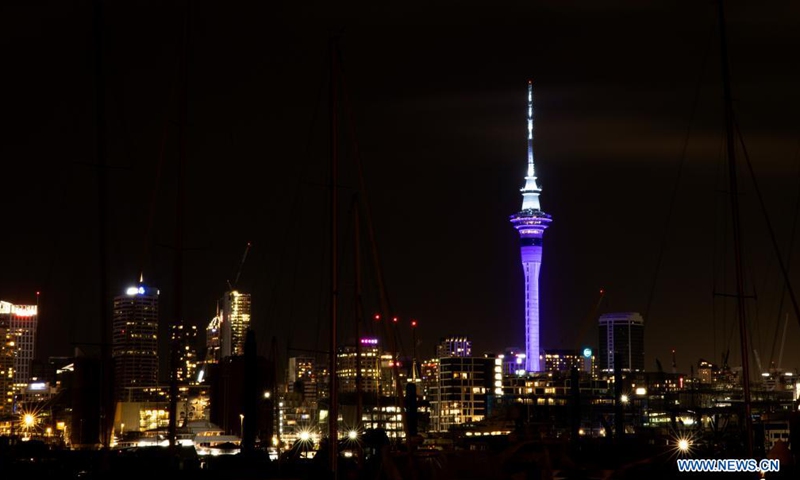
(622, 337)
(135, 342)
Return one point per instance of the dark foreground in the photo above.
(504, 459)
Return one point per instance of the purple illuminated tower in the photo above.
(531, 223)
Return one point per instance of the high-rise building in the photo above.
(302, 378)
(135, 342)
(457, 346)
(7, 350)
(622, 337)
(346, 361)
(460, 392)
(226, 332)
(531, 222)
(235, 322)
(186, 338)
(214, 340)
(21, 321)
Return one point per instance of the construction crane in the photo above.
(674, 362)
(241, 265)
(591, 317)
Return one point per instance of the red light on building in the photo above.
(414, 323)
(377, 316)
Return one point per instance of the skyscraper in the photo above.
(186, 338)
(135, 342)
(531, 222)
(21, 322)
(347, 364)
(622, 337)
(235, 322)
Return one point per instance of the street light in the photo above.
(241, 425)
(28, 422)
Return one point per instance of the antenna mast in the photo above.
(737, 240)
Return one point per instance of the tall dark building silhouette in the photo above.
(622, 337)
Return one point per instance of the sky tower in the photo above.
(531, 223)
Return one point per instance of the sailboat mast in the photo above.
(106, 366)
(737, 240)
(179, 221)
(357, 257)
(333, 413)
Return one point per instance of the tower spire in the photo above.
(531, 191)
(530, 128)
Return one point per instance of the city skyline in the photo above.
(440, 132)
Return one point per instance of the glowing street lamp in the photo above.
(241, 425)
(28, 422)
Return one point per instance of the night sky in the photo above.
(628, 112)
